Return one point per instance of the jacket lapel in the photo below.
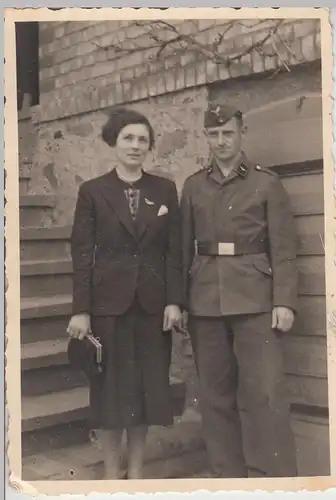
(115, 197)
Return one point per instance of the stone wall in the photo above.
(70, 151)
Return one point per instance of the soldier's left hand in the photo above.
(171, 317)
(282, 318)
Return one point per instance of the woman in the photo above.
(126, 256)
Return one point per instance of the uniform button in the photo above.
(257, 167)
(135, 255)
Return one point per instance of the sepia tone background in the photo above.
(69, 73)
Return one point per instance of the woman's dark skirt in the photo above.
(134, 387)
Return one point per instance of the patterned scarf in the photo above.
(133, 198)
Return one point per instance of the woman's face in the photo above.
(132, 145)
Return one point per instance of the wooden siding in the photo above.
(312, 443)
(287, 136)
(286, 132)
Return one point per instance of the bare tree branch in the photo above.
(258, 44)
(277, 53)
(166, 35)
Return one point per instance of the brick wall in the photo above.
(83, 66)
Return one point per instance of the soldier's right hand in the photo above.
(79, 326)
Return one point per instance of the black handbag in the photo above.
(86, 355)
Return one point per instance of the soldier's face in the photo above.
(225, 142)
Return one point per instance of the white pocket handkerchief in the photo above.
(163, 210)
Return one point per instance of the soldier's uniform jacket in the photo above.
(248, 213)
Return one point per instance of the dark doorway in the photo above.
(27, 58)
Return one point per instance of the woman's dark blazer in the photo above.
(115, 259)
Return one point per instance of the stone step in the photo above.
(63, 377)
(36, 210)
(43, 328)
(25, 165)
(61, 407)
(47, 410)
(44, 354)
(45, 368)
(45, 307)
(43, 278)
(23, 186)
(45, 243)
(54, 438)
(24, 174)
(176, 451)
(36, 216)
(37, 200)
(24, 178)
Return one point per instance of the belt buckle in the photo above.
(226, 249)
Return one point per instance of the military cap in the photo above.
(219, 114)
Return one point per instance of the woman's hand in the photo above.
(171, 317)
(79, 326)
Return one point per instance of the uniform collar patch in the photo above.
(242, 170)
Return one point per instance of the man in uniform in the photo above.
(240, 279)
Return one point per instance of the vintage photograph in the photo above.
(172, 215)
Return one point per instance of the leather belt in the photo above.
(229, 248)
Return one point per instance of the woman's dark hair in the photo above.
(120, 117)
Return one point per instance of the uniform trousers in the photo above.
(243, 392)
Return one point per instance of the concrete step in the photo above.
(54, 438)
(45, 278)
(44, 354)
(47, 410)
(61, 407)
(23, 186)
(45, 307)
(45, 328)
(36, 210)
(25, 164)
(45, 243)
(176, 451)
(36, 382)
(37, 200)
(24, 178)
(36, 217)
(45, 368)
